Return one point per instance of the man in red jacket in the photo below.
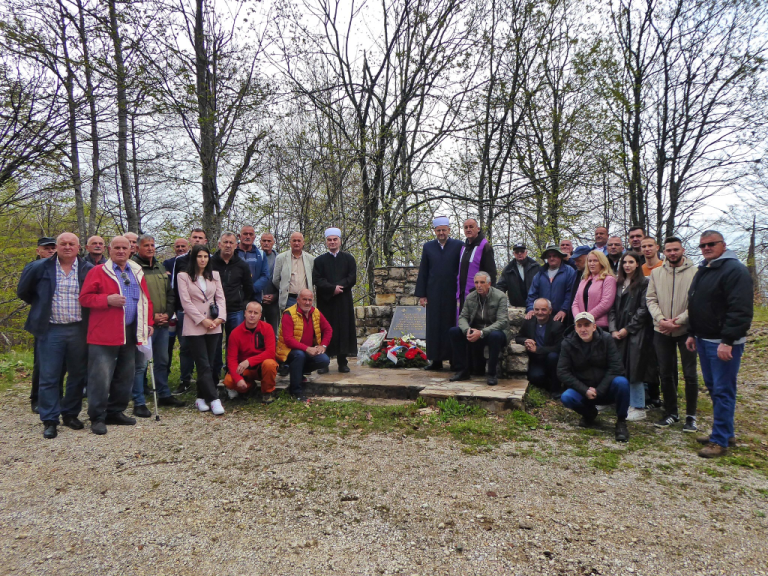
(121, 317)
(251, 355)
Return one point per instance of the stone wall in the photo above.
(395, 285)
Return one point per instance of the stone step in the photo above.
(412, 383)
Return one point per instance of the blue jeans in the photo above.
(63, 347)
(186, 361)
(160, 361)
(720, 378)
(300, 363)
(637, 394)
(542, 371)
(234, 320)
(465, 352)
(111, 371)
(618, 392)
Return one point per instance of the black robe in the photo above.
(437, 282)
(328, 272)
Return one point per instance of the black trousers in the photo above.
(666, 353)
(203, 350)
(271, 315)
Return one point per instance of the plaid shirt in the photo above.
(131, 290)
(65, 308)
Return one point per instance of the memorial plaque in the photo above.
(408, 320)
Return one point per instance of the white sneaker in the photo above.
(201, 405)
(635, 414)
(217, 408)
(601, 407)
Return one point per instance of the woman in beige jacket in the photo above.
(199, 289)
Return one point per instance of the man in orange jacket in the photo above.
(251, 355)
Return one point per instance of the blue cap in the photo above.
(581, 251)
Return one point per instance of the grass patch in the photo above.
(15, 366)
(606, 460)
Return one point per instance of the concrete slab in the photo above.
(410, 384)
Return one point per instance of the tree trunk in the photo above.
(122, 120)
(751, 265)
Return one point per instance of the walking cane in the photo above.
(146, 349)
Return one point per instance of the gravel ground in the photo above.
(241, 494)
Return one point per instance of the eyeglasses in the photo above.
(709, 244)
(126, 280)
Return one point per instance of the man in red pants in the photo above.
(251, 355)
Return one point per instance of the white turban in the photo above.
(333, 232)
(440, 221)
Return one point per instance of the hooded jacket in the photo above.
(517, 288)
(667, 295)
(594, 364)
(720, 300)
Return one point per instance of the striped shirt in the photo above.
(65, 308)
(130, 289)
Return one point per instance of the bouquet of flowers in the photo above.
(403, 352)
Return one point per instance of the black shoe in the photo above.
(50, 431)
(141, 411)
(120, 419)
(667, 421)
(463, 375)
(344, 369)
(655, 403)
(492, 380)
(267, 398)
(436, 366)
(690, 424)
(325, 370)
(283, 370)
(184, 386)
(33, 405)
(587, 422)
(622, 434)
(99, 427)
(72, 422)
(171, 401)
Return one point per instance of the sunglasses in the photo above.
(709, 244)
(126, 280)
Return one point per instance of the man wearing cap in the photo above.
(476, 256)
(436, 289)
(52, 286)
(554, 282)
(46, 247)
(334, 274)
(517, 276)
(591, 369)
(95, 250)
(483, 321)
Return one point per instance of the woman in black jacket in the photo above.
(630, 325)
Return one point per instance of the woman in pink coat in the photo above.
(201, 293)
(597, 289)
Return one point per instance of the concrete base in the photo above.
(413, 383)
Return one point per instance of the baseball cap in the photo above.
(46, 241)
(584, 316)
(581, 251)
(518, 246)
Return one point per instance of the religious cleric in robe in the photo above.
(333, 275)
(476, 256)
(436, 289)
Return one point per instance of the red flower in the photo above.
(411, 354)
(376, 356)
(423, 356)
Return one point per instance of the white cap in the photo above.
(584, 316)
(333, 232)
(440, 221)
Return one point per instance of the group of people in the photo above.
(603, 324)
(107, 317)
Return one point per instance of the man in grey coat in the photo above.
(483, 321)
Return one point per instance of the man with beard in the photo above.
(436, 289)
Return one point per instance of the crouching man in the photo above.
(251, 355)
(590, 368)
(483, 321)
(542, 337)
(302, 339)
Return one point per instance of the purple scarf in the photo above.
(474, 267)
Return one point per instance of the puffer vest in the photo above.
(298, 330)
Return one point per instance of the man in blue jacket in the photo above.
(52, 287)
(553, 282)
(720, 307)
(255, 260)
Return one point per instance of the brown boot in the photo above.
(706, 440)
(712, 450)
